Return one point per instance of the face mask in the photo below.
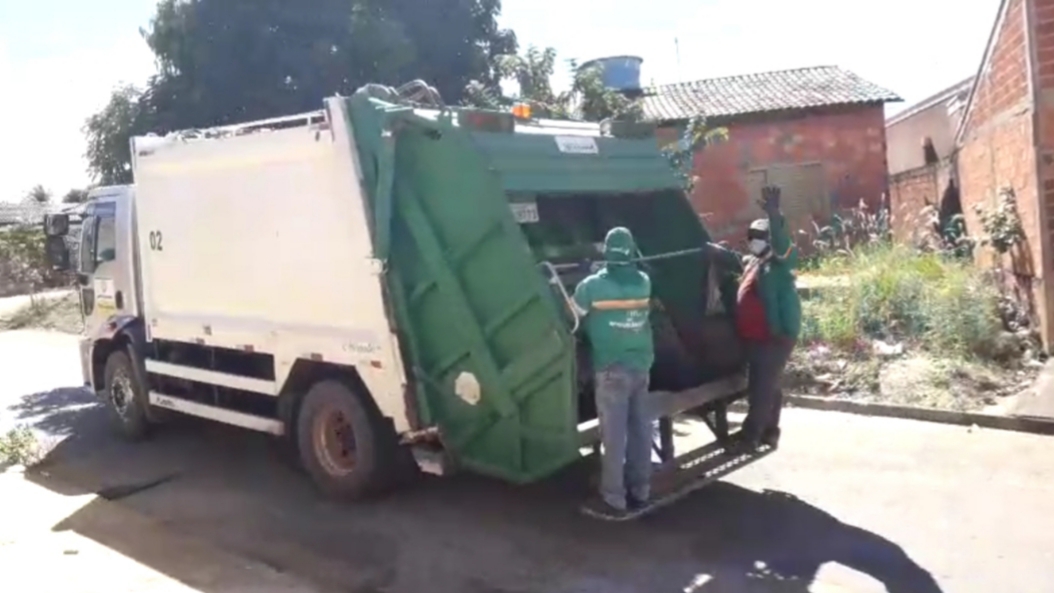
(758, 246)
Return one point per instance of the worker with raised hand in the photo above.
(614, 303)
(768, 318)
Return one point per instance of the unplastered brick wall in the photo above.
(998, 150)
(912, 194)
(1043, 35)
(1043, 38)
(849, 143)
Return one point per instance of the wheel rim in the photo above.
(121, 393)
(334, 441)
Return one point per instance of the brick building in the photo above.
(920, 144)
(934, 121)
(1005, 140)
(817, 132)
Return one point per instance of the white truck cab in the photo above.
(235, 281)
(108, 282)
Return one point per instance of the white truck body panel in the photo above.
(261, 241)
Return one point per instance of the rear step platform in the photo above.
(683, 475)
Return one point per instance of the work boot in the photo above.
(771, 437)
(598, 508)
(635, 504)
(741, 444)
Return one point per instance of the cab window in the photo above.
(98, 237)
(105, 237)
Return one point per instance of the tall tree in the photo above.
(588, 99)
(532, 71)
(225, 61)
(75, 196)
(38, 195)
(453, 41)
(109, 132)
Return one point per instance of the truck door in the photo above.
(103, 293)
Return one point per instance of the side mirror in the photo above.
(56, 225)
(56, 253)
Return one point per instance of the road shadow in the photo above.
(233, 489)
(56, 412)
(771, 540)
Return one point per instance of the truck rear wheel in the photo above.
(344, 444)
(126, 397)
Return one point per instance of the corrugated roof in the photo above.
(947, 95)
(780, 90)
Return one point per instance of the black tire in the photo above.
(345, 445)
(286, 447)
(126, 397)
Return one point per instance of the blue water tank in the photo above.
(621, 73)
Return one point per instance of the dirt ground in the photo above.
(911, 378)
(848, 504)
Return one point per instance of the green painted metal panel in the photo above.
(466, 292)
(533, 162)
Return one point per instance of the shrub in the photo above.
(899, 293)
(23, 263)
(19, 446)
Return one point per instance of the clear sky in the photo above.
(60, 58)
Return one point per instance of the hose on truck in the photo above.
(638, 259)
(552, 271)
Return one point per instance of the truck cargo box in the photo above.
(474, 212)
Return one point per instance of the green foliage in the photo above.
(533, 72)
(1001, 226)
(109, 132)
(38, 195)
(587, 99)
(22, 258)
(19, 446)
(228, 61)
(59, 313)
(897, 292)
(75, 196)
(859, 226)
(597, 102)
(695, 136)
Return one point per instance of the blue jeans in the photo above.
(626, 432)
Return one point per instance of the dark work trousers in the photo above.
(764, 392)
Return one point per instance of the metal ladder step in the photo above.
(687, 473)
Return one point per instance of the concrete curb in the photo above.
(1029, 424)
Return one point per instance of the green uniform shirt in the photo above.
(776, 283)
(616, 303)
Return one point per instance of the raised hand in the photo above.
(770, 199)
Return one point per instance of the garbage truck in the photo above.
(383, 285)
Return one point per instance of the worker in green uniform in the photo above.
(614, 304)
(768, 317)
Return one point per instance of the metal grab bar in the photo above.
(554, 279)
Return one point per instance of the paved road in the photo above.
(43, 552)
(848, 504)
(9, 305)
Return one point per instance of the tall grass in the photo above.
(896, 292)
(928, 294)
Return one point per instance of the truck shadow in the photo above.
(229, 488)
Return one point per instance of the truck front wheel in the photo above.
(125, 396)
(342, 441)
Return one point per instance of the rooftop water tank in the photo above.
(621, 73)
